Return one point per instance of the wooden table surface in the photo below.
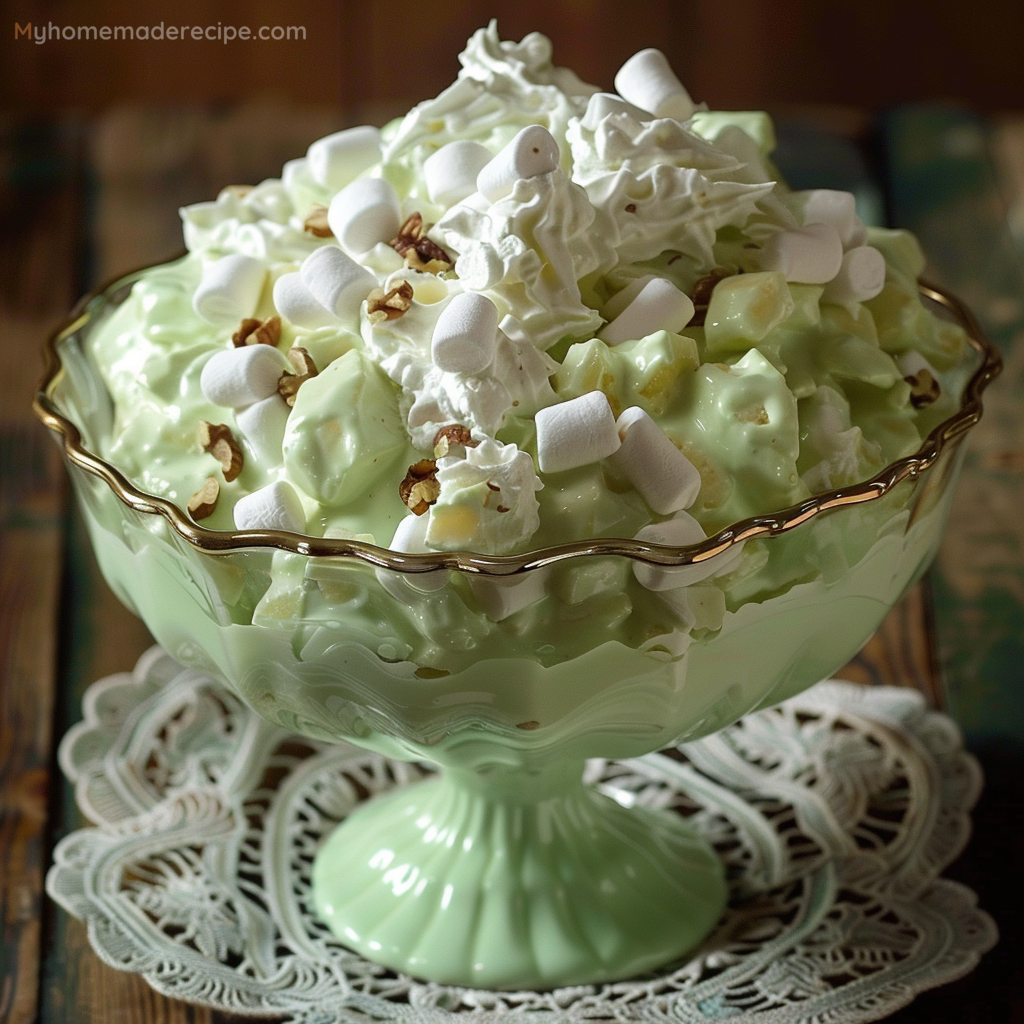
(81, 202)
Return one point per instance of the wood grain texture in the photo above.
(38, 213)
(751, 54)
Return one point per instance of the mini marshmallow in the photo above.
(411, 536)
(664, 476)
(237, 377)
(832, 206)
(480, 267)
(575, 433)
(861, 277)
(262, 426)
(274, 507)
(606, 104)
(465, 335)
(648, 81)
(295, 302)
(502, 596)
(336, 281)
(658, 306)
(912, 363)
(682, 530)
(335, 160)
(531, 153)
(364, 213)
(451, 172)
(229, 290)
(622, 298)
(812, 254)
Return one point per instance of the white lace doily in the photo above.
(835, 814)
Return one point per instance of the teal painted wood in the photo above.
(944, 188)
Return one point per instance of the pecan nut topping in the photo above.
(450, 436)
(702, 294)
(202, 504)
(924, 388)
(252, 331)
(288, 384)
(316, 223)
(217, 439)
(420, 489)
(420, 252)
(382, 306)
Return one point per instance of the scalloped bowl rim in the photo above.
(220, 542)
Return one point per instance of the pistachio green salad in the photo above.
(528, 312)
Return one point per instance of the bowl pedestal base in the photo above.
(516, 879)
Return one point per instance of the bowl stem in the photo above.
(516, 879)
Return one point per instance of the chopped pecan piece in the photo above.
(420, 489)
(451, 435)
(204, 501)
(702, 294)
(706, 285)
(288, 384)
(302, 361)
(316, 223)
(217, 439)
(245, 328)
(258, 332)
(924, 388)
(408, 234)
(382, 306)
(420, 252)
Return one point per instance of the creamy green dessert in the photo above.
(528, 313)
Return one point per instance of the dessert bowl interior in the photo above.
(511, 671)
(409, 645)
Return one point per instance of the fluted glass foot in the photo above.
(516, 880)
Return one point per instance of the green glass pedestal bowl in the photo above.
(505, 871)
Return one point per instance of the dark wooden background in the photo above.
(382, 54)
(101, 142)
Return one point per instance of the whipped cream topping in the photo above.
(555, 203)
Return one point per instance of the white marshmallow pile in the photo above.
(647, 81)
(861, 276)
(263, 425)
(237, 377)
(681, 530)
(622, 298)
(411, 537)
(274, 507)
(664, 477)
(502, 596)
(450, 173)
(658, 306)
(336, 281)
(465, 335)
(364, 213)
(229, 290)
(296, 303)
(829, 249)
(812, 254)
(831, 206)
(576, 433)
(531, 153)
(335, 160)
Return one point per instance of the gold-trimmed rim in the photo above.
(226, 541)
